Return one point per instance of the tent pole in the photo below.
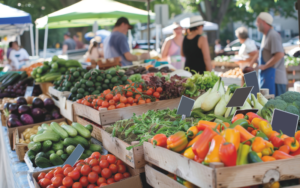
(130, 39)
(19, 40)
(157, 28)
(148, 24)
(297, 5)
(36, 41)
(45, 41)
(31, 39)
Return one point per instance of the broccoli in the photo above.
(289, 102)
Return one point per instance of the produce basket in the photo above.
(104, 64)
(21, 148)
(45, 87)
(35, 169)
(216, 175)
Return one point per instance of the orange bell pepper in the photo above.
(268, 158)
(251, 115)
(244, 134)
(255, 122)
(201, 146)
(258, 144)
(177, 142)
(236, 117)
(297, 136)
(285, 148)
(159, 140)
(254, 132)
(204, 124)
(232, 136)
(281, 155)
(192, 132)
(292, 143)
(213, 153)
(274, 133)
(195, 139)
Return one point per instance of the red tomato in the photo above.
(103, 184)
(148, 100)
(111, 107)
(96, 169)
(44, 182)
(118, 162)
(85, 170)
(138, 96)
(156, 95)
(110, 181)
(118, 177)
(57, 181)
(106, 173)
(87, 160)
(78, 163)
(65, 166)
(49, 175)
(87, 103)
(79, 101)
(50, 186)
(121, 168)
(59, 175)
(105, 104)
(91, 186)
(133, 104)
(104, 164)
(111, 159)
(62, 185)
(126, 175)
(99, 102)
(78, 168)
(117, 97)
(77, 185)
(108, 97)
(93, 162)
(84, 181)
(101, 180)
(103, 157)
(159, 89)
(156, 100)
(149, 92)
(130, 100)
(67, 181)
(123, 100)
(93, 177)
(95, 155)
(67, 170)
(106, 92)
(140, 90)
(58, 170)
(41, 175)
(121, 105)
(129, 94)
(113, 168)
(75, 174)
(111, 102)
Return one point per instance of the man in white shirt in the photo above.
(18, 56)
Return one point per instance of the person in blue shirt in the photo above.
(116, 45)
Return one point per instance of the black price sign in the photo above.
(29, 90)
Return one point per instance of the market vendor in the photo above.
(271, 57)
(18, 56)
(116, 45)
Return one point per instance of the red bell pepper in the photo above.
(281, 155)
(159, 140)
(236, 117)
(276, 140)
(296, 152)
(228, 154)
(297, 136)
(250, 115)
(201, 146)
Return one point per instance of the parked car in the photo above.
(143, 44)
(295, 52)
(291, 44)
(234, 46)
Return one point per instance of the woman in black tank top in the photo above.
(195, 47)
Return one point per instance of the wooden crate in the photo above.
(66, 107)
(218, 176)
(96, 128)
(108, 117)
(56, 93)
(3, 119)
(104, 64)
(116, 146)
(293, 74)
(45, 87)
(21, 148)
(133, 181)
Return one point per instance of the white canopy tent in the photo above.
(14, 22)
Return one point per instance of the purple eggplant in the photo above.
(26, 119)
(24, 109)
(45, 111)
(13, 116)
(37, 114)
(48, 103)
(55, 115)
(13, 108)
(6, 105)
(48, 117)
(21, 100)
(14, 122)
(37, 103)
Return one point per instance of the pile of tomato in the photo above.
(122, 96)
(94, 172)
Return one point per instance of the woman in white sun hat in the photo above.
(195, 47)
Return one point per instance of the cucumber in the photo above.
(31, 137)
(47, 136)
(41, 154)
(31, 155)
(82, 130)
(70, 130)
(89, 127)
(58, 146)
(70, 149)
(43, 162)
(59, 152)
(56, 160)
(46, 126)
(47, 145)
(82, 141)
(70, 141)
(95, 147)
(84, 156)
(64, 156)
(58, 130)
(88, 152)
(48, 153)
(35, 146)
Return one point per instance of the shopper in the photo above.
(79, 44)
(171, 49)
(218, 47)
(18, 56)
(116, 45)
(9, 49)
(69, 44)
(195, 47)
(271, 57)
(248, 49)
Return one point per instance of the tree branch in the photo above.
(222, 10)
(201, 11)
(208, 10)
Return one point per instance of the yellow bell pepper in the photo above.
(189, 153)
(259, 154)
(232, 136)
(272, 185)
(267, 152)
(266, 128)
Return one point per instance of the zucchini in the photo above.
(11, 80)
(70, 130)
(58, 130)
(95, 147)
(5, 76)
(82, 141)
(42, 162)
(47, 136)
(89, 127)
(82, 130)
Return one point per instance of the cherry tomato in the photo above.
(41, 175)
(105, 104)
(117, 97)
(103, 184)
(141, 102)
(123, 100)
(59, 175)
(85, 170)
(93, 162)
(118, 162)
(87, 160)
(113, 168)
(62, 186)
(118, 177)
(44, 182)
(156, 95)
(103, 157)
(111, 102)
(106, 173)
(101, 180)
(109, 96)
(93, 177)
(133, 104)
(84, 181)
(78, 168)
(96, 169)
(130, 100)
(104, 164)
(159, 89)
(121, 105)
(49, 175)
(126, 175)
(67, 181)
(111, 107)
(149, 92)
(77, 185)
(110, 181)
(57, 181)
(138, 96)
(95, 155)
(50, 186)
(148, 100)
(67, 170)
(121, 168)
(91, 186)
(129, 94)
(75, 174)
(139, 89)
(111, 159)
(65, 166)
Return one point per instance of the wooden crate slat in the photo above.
(87, 112)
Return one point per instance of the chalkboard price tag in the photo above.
(75, 155)
(185, 106)
(29, 90)
(251, 80)
(285, 122)
(239, 97)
